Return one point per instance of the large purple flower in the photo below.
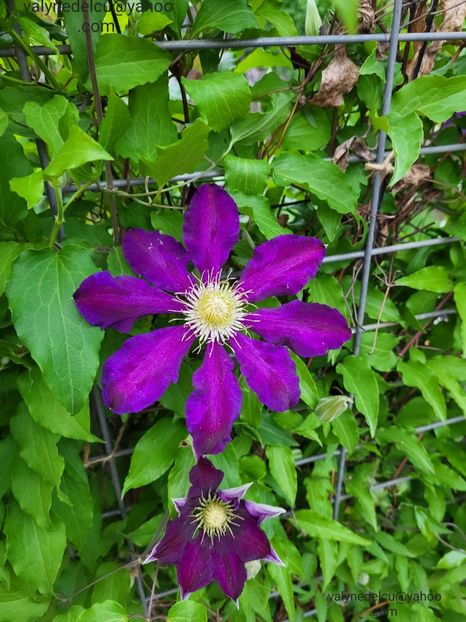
(215, 534)
(215, 310)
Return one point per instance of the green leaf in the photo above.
(187, 611)
(109, 610)
(322, 178)
(246, 175)
(33, 494)
(379, 350)
(409, 444)
(359, 487)
(431, 279)
(361, 381)
(230, 16)
(307, 386)
(115, 122)
(220, 97)
(318, 526)
(45, 120)
(328, 551)
(266, 220)
(34, 552)
(418, 375)
(73, 24)
(281, 576)
(406, 134)
(309, 130)
(78, 149)
(390, 543)
(329, 408)
(434, 96)
(31, 188)
(154, 453)
(348, 11)
(3, 122)
(38, 447)
(64, 346)
(169, 222)
(345, 428)
(283, 470)
(47, 411)
(452, 559)
(13, 208)
(151, 125)
(460, 301)
(8, 253)
(182, 156)
(125, 62)
(259, 125)
(152, 22)
(20, 606)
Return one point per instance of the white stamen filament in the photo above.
(214, 310)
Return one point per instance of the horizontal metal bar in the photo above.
(265, 42)
(420, 316)
(212, 174)
(422, 428)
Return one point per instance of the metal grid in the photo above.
(393, 39)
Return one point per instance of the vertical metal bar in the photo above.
(116, 484)
(375, 204)
(41, 146)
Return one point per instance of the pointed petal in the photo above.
(215, 403)
(308, 329)
(234, 494)
(179, 504)
(250, 542)
(269, 371)
(195, 568)
(170, 548)
(158, 258)
(282, 266)
(204, 475)
(117, 301)
(229, 572)
(261, 511)
(274, 558)
(211, 227)
(143, 368)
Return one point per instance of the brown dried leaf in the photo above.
(342, 152)
(338, 78)
(454, 14)
(366, 16)
(416, 174)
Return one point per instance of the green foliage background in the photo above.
(66, 552)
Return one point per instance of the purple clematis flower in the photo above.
(215, 310)
(215, 534)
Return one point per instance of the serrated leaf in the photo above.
(322, 178)
(245, 174)
(318, 526)
(361, 381)
(259, 125)
(38, 446)
(64, 346)
(307, 386)
(123, 62)
(38, 561)
(406, 134)
(435, 96)
(154, 453)
(431, 279)
(33, 494)
(220, 97)
(409, 444)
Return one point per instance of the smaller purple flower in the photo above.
(215, 534)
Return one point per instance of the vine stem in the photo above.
(60, 217)
(100, 114)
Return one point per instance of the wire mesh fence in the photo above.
(111, 455)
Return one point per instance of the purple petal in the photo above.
(170, 548)
(117, 301)
(195, 568)
(215, 403)
(274, 558)
(179, 504)
(250, 542)
(269, 371)
(143, 368)
(261, 511)
(211, 227)
(308, 329)
(229, 572)
(204, 475)
(282, 266)
(234, 494)
(158, 258)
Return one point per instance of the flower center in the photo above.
(214, 310)
(214, 517)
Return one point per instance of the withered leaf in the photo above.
(338, 78)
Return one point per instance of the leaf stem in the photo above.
(38, 61)
(59, 218)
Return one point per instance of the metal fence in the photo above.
(393, 38)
